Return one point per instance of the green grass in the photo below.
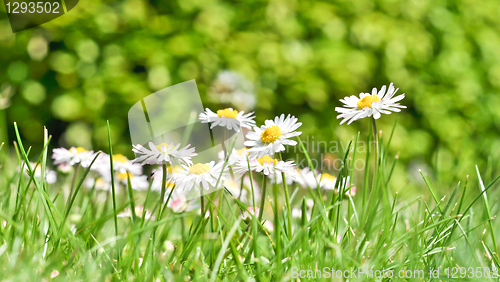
(83, 239)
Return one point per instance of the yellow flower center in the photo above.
(327, 176)
(77, 150)
(368, 101)
(164, 144)
(241, 152)
(267, 159)
(120, 158)
(139, 211)
(199, 168)
(227, 113)
(270, 134)
(99, 182)
(123, 176)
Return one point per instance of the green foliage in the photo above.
(374, 229)
(93, 63)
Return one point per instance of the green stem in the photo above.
(73, 180)
(278, 232)
(163, 186)
(375, 140)
(288, 207)
(289, 211)
(115, 215)
(262, 199)
(202, 204)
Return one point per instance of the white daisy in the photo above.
(158, 154)
(232, 88)
(329, 181)
(271, 137)
(234, 156)
(73, 156)
(267, 166)
(50, 175)
(243, 193)
(99, 183)
(353, 190)
(235, 189)
(229, 118)
(65, 168)
(139, 212)
(367, 105)
(278, 178)
(297, 213)
(268, 226)
(200, 175)
(251, 211)
(308, 178)
(169, 247)
(157, 176)
(137, 182)
(178, 202)
(121, 164)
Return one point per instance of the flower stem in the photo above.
(202, 205)
(72, 185)
(375, 144)
(163, 187)
(288, 209)
(278, 231)
(287, 199)
(262, 199)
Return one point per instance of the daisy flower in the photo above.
(267, 166)
(158, 154)
(278, 178)
(329, 181)
(229, 118)
(234, 156)
(137, 182)
(251, 211)
(99, 183)
(121, 164)
(268, 226)
(157, 176)
(50, 175)
(242, 193)
(73, 156)
(271, 137)
(169, 247)
(234, 188)
(65, 168)
(178, 203)
(232, 88)
(297, 213)
(367, 105)
(139, 211)
(307, 178)
(200, 175)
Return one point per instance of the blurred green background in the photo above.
(92, 64)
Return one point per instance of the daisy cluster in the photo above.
(260, 155)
